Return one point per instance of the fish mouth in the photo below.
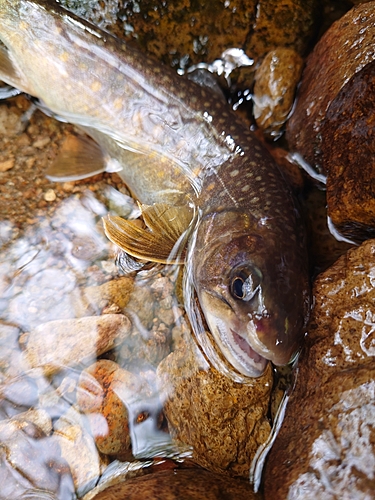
(232, 337)
(237, 350)
(246, 347)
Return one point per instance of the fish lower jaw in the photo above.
(238, 351)
(255, 364)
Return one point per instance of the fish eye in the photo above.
(244, 284)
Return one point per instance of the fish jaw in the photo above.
(231, 338)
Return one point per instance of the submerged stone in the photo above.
(223, 421)
(58, 344)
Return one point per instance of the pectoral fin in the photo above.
(80, 157)
(162, 241)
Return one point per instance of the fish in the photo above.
(200, 176)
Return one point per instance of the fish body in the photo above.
(173, 143)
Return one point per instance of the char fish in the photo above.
(175, 146)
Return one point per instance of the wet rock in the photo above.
(225, 422)
(61, 343)
(327, 71)
(348, 145)
(183, 33)
(31, 461)
(292, 172)
(325, 448)
(324, 248)
(276, 80)
(333, 126)
(113, 292)
(72, 435)
(37, 417)
(17, 394)
(112, 399)
(175, 484)
(289, 23)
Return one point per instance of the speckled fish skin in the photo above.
(249, 263)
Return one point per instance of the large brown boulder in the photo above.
(325, 448)
(333, 125)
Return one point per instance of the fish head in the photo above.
(253, 298)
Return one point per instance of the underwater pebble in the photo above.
(41, 143)
(72, 435)
(325, 448)
(61, 343)
(50, 195)
(225, 422)
(114, 292)
(106, 394)
(19, 392)
(37, 416)
(7, 165)
(31, 461)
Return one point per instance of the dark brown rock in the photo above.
(175, 484)
(348, 145)
(286, 23)
(325, 448)
(333, 125)
(342, 51)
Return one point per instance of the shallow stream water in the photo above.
(58, 280)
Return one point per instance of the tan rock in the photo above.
(325, 448)
(61, 343)
(276, 81)
(7, 165)
(225, 422)
(112, 292)
(72, 435)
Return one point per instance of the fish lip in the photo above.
(277, 358)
